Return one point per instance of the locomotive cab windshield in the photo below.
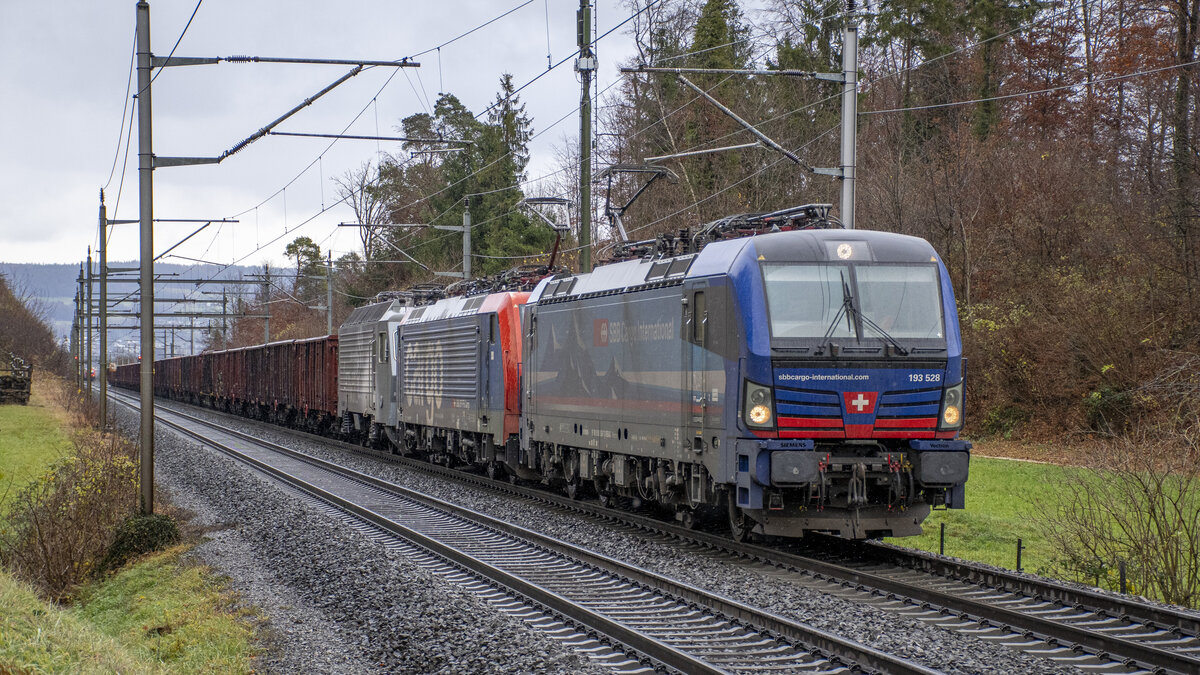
(851, 396)
(813, 303)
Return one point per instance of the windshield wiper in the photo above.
(850, 313)
(900, 349)
(846, 309)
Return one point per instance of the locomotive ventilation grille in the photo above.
(442, 361)
(811, 413)
(356, 363)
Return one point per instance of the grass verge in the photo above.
(31, 437)
(158, 616)
(1005, 501)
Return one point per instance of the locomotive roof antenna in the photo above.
(614, 215)
(529, 203)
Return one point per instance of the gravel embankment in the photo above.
(934, 647)
(335, 601)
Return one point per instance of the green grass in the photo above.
(36, 636)
(31, 437)
(1005, 500)
(159, 616)
(174, 614)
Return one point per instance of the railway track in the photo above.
(1094, 631)
(571, 592)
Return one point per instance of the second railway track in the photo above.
(676, 626)
(1094, 631)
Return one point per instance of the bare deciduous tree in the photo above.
(358, 188)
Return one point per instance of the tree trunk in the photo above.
(1188, 12)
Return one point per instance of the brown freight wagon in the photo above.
(126, 376)
(292, 382)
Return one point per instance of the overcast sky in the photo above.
(65, 66)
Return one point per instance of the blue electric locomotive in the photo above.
(806, 380)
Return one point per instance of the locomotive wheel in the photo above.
(741, 526)
(573, 489)
(606, 500)
(687, 517)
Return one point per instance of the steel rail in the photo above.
(511, 583)
(1011, 581)
(1104, 646)
(843, 651)
(1051, 631)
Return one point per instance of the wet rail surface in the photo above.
(1095, 631)
(666, 624)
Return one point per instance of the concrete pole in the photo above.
(466, 238)
(224, 319)
(88, 370)
(103, 313)
(75, 342)
(267, 307)
(849, 112)
(146, 257)
(586, 65)
(329, 294)
(80, 296)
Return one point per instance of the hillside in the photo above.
(51, 287)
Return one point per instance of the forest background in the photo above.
(1046, 149)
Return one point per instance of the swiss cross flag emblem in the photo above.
(600, 332)
(860, 402)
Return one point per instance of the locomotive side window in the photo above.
(803, 300)
(382, 343)
(699, 318)
(902, 300)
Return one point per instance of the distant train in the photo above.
(793, 381)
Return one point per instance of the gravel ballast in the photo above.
(944, 650)
(334, 601)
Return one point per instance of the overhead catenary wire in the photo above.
(500, 189)
(1048, 90)
(322, 211)
(180, 38)
(126, 106)
(283, 190)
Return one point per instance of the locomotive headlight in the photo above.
(952, 400)
(760, 415)
(758, 405)
(950, 416)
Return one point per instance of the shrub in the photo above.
(138, 535)
(1109, 410)
(58, 527)
(1004, 421)
(1136, 502)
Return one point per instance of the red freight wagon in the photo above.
(292, 382)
